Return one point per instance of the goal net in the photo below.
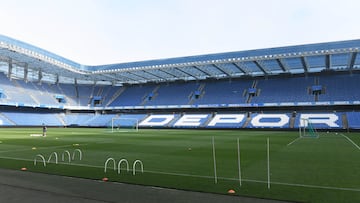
(124, 124)
(306, 129)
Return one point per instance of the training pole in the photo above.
(239, 165)
(213, 146)
(268, 162)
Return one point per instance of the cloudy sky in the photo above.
(96, 32)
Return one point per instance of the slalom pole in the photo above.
(239, 165)
(268, 163)
(213, 146)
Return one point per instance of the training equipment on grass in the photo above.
(105, 179)
(268, 162)
(124, 124)
(239, 161)
(63, 155)
(214, 159)
(56, 157)
(36, 135)
(127, 165)
(141, 166)
(119, 165)
(80, 154)
(306, 129)
(107, 161)
(42, 159)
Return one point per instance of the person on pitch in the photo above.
(44, 129)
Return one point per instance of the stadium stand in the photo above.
(132, 96)
(223, 92)
(172, 94)
(274, 120)
(78, 119)
(32, 119)
(261, 88)
(4, 121)
(353, 119)
(339, 87)
(283, 90)
(322, 120)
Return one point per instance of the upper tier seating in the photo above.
(255, 91)
(284, 90)
(132, 96)
(340, 88)
(224, 92)
(172, 94)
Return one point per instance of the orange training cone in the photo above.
(105, 179)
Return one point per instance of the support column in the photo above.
(10, 68)
(26, 72)
(57, 79)
(40, 76)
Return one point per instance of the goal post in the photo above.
(306, 129)
(124, 124)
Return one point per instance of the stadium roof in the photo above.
(21, 60)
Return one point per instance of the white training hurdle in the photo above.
(56, 157)
(42, 158)
(63, 156)
(127, 165)
(107, 161)
(80, 154)
(141, 166)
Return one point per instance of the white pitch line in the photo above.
(39, 148)
(352, 142)
(211, 177)
(317, 186)
(292, 142)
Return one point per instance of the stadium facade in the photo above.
(264, 88)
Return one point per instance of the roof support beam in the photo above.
(239, 68)
(116, 77)
(282, 65)
(154, 75)
(327, 62)
(305, 64)
(127, 78)
(261, 66)
(221, 69)
(172, 75)
(203, 71)
(137, 75)
(242, 68)
(186, 73)
(352, 58)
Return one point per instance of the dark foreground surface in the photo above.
(24, 186)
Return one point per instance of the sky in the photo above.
(98, 32)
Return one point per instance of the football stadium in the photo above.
(278, 123)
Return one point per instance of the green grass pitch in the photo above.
(324, 169)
